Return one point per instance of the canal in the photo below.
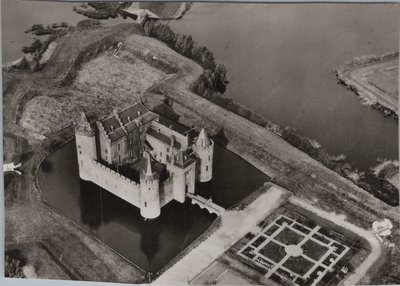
(150, 244)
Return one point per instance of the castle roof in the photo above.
(127, 120)
(84, 125)
(203, 140)
(148, 172)
(169, 140)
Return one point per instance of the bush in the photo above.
(13, 268)
(88, 24)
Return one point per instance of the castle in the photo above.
(142, 158)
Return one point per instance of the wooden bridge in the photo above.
(207, 204)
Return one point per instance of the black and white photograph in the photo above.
(201, 143)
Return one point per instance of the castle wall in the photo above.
(105, 147)
(115, 183)
(166, 192)
(119, 151)
(183, 181)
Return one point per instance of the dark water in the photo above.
(152, 243)
(280, 60)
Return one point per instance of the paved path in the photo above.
(376, 248)
(234, 225)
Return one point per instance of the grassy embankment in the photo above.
(374, 79)
(212, 84)
(28, 217)
(288, 166)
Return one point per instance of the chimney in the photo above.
(139, 113)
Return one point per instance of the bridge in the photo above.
(207, 204)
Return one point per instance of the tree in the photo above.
(220, 79)
(13, 268)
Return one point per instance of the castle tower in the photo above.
(183, 176)
(204, 149)
(149, 192)
(85, 146)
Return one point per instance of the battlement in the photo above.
(114, 174)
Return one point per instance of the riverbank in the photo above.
(289, 167)
(374, 79)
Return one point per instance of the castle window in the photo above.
(106, 151)
(119, 147)
(160, 154)
(82, 164)
(80, 152)
(209, 158)
(167, 149)
(145, 204)
(168, 158)
(206, 168)
(119, 159)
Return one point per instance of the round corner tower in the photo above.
(85, 146)
(204, 149)
(149, 192)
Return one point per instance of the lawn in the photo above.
(314, 250)
(273, 251)
(298, 265)
(288, 237)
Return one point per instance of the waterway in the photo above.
(280, 60)
(150, 244)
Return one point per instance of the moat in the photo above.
(150, 244)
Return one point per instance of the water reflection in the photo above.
(150, 244)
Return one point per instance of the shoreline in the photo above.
(288, 166)
(369, 93)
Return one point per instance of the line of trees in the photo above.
(384, 191)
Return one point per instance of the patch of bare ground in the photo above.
(120, 75)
